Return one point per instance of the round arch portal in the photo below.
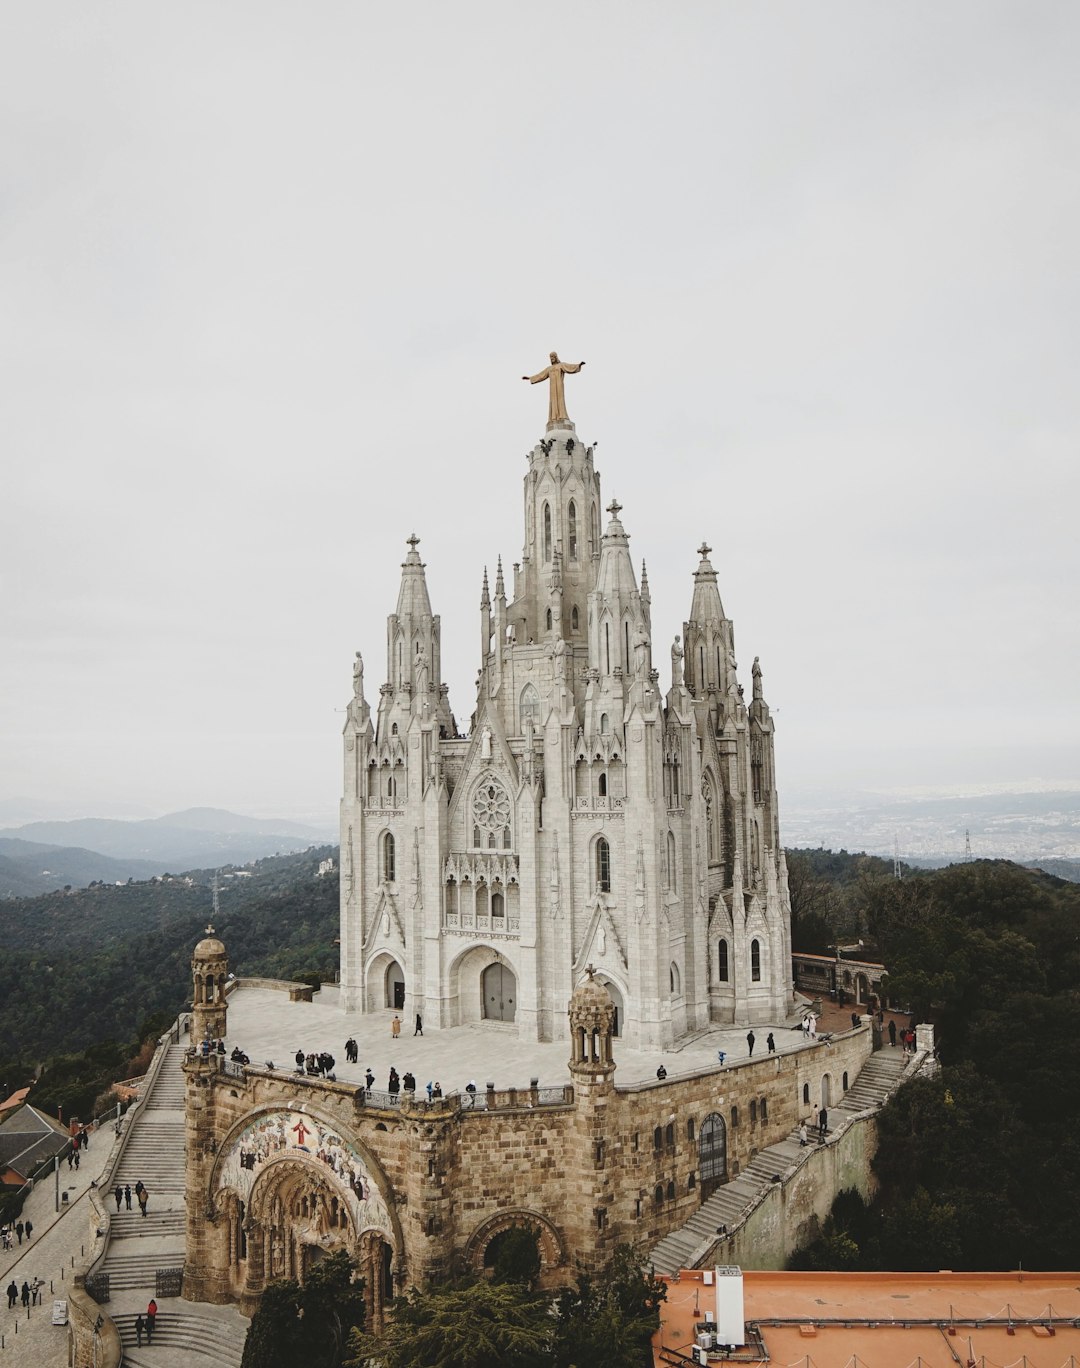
(288, 1188)
(385, 980)
(470, 986)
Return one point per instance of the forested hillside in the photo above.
(980, 1166)
(88, 966)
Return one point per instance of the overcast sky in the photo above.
(270, 275)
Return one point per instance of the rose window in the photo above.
(491, 816)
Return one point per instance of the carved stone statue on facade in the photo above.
(641, 653)
(677, 664)
(556, 395)
(757, 677)
(358, 676)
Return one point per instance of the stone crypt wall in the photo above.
(417, 1190)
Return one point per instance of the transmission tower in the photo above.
(968, 857)
(217, 906)
(898, 873)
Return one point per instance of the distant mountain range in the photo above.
(41, 856)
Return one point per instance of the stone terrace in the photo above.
(267, 1026)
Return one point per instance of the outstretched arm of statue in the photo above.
(572, 368)
(535, 379)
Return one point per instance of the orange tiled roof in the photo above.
(890, 1320)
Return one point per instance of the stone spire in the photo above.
(707, 634)
(413, 647)
(485, 620)
(616, 612)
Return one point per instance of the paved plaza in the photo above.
(268, 1027)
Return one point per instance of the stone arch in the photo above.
(289, 1184)
(529, 706)
(549, 1241)
(464, 980)
(616, 990)
(383, 971)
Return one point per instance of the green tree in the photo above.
(609, 1321)
(275, 1335)
(470, 1327)
(308, 1324)
(516, 1256)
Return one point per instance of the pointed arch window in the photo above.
(498, 906)
(607, 647)
(676, 979)
(603, 865)
(548, 620)
(626, 647)
(723, 971)
(547, 532)
(571, 529)
(755, 961)
(530, 706)
(574, 618)
(672, 874)
(388, 858)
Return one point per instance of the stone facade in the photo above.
(589, 815)
(282, 1168)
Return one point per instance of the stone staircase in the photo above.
(187, 1333)
(691, 1245)
(154, 1154)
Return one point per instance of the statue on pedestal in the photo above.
(556, 396)
(677, 664)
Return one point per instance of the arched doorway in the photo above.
(395, 986)
(290, 1188)
(712, 1153)
(616, 998)
(862, 988)
(826, 1091)
(499, 989)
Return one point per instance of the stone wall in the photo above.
(791, 1213)
(581, 1164)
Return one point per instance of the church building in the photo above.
(592, 815)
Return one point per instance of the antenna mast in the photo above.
(897, 871)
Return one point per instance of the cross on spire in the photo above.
(703, 550)
(614, 508)
(413, 541)
(591, 971)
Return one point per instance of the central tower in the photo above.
(587, 816)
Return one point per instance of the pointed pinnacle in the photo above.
(500, 588)
(485, 597)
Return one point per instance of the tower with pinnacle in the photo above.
(591, 814)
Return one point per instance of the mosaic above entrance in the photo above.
(293, 1134)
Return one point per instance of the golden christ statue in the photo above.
(556, 398)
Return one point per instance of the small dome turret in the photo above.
(592, 1025)
(210, 974)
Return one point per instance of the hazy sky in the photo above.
(269, 276)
